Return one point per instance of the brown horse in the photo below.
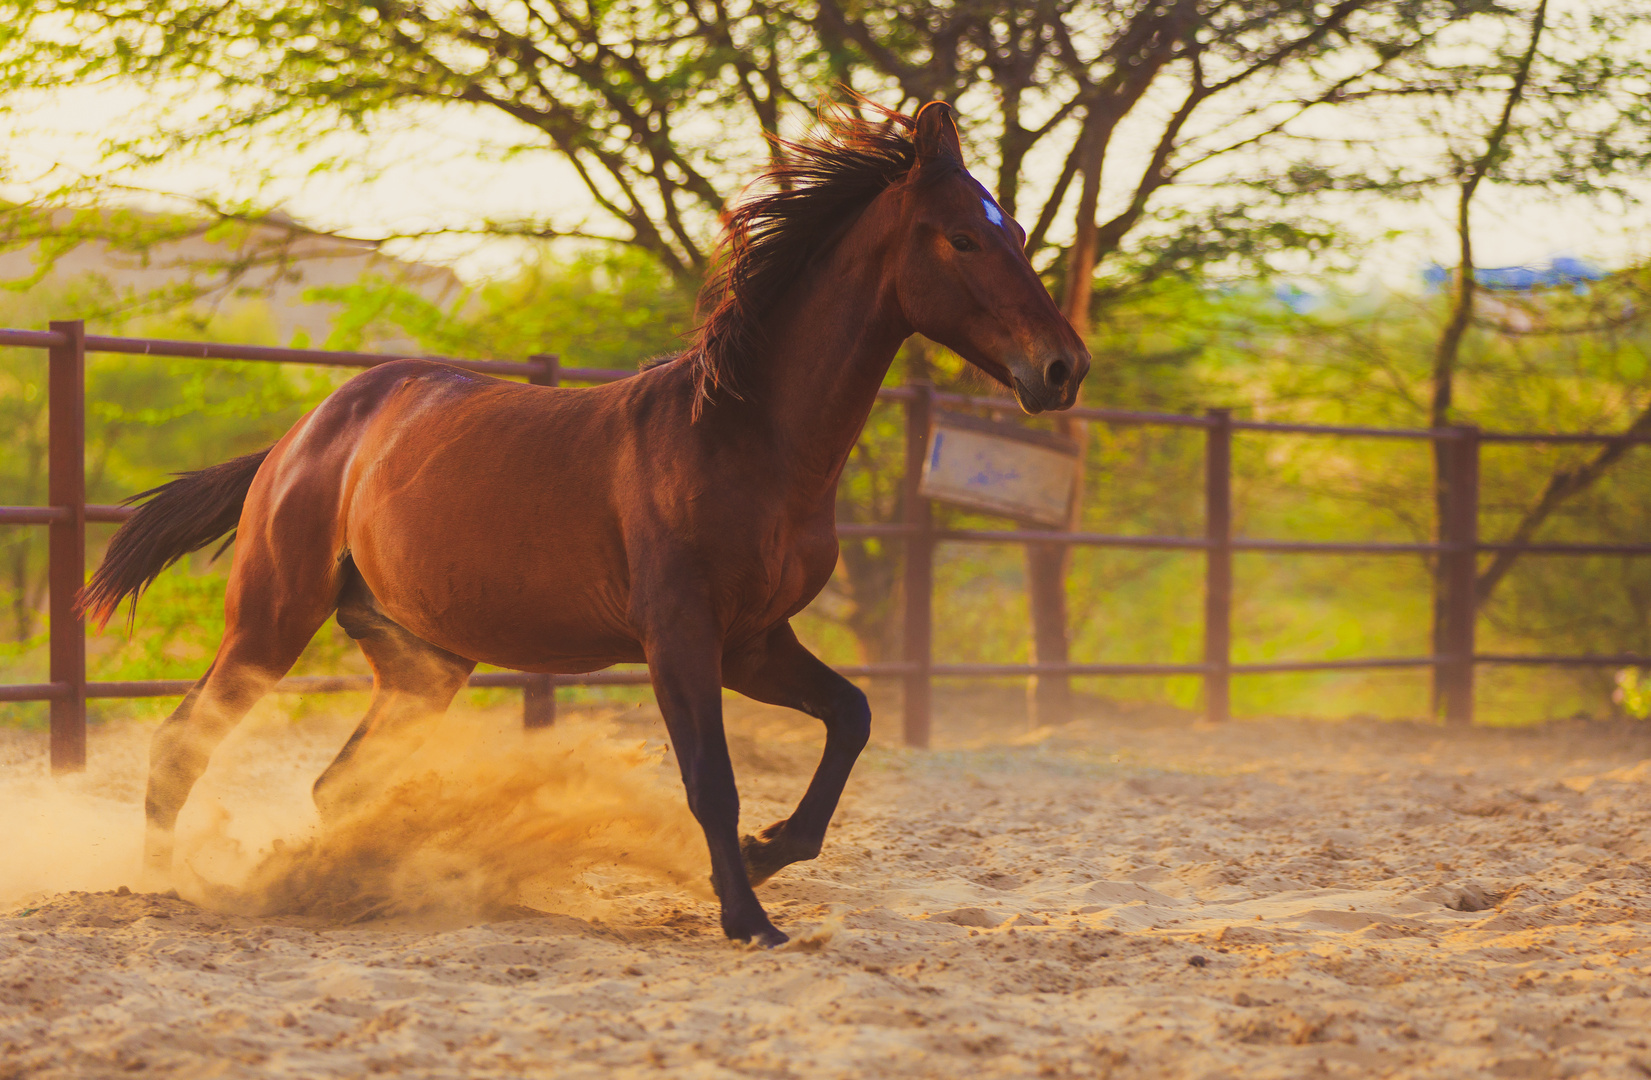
(680, 517)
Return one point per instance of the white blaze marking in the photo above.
(993, 214)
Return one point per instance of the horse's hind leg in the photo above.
(271, 612)
(413, 680)
(782, 672)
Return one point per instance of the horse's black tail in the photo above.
(180, 517)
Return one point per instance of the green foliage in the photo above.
(1633, 693)
(607, 308)
(146, 418)
(1548, 361)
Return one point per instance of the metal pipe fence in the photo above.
(1458, 547)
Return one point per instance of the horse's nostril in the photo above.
(1057, 373)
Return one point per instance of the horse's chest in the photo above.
(788, 575)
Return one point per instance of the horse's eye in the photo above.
(963, 243)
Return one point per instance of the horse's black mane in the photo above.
(817, 189)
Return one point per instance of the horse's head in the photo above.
(963, 278)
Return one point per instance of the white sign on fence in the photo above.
(1000, 468)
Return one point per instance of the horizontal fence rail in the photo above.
(1458, 546)
(207, 350)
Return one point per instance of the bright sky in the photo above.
(446, 169)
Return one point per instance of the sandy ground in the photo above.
(1119, 898)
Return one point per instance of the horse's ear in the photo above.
(935, 134)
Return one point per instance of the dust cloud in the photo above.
(80, 832)
(469, 817)
(466, 827)
(62, 837)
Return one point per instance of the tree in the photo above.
(1571, 118)
(1471, 174)
(604, 85)
(640, 97)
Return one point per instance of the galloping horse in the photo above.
(680, 517)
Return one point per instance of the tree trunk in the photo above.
(1444, 378)
(1447, 353)
(1049, 697)
(1080, 264)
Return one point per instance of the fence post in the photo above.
(1459, 533)
(66, 571)
(539, 696)
(1049, 697)
(1218, 567)
(919, 570)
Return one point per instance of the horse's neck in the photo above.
(830, 345)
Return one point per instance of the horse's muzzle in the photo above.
(1055, 384)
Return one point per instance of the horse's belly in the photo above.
(527, 641)
(535, 603)
(535, 630)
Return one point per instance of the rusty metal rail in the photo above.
(67, 344)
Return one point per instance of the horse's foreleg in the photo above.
(686, 672)
(784, 673)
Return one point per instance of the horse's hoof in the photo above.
(771, 851)
(769, 937)
(759, 858)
